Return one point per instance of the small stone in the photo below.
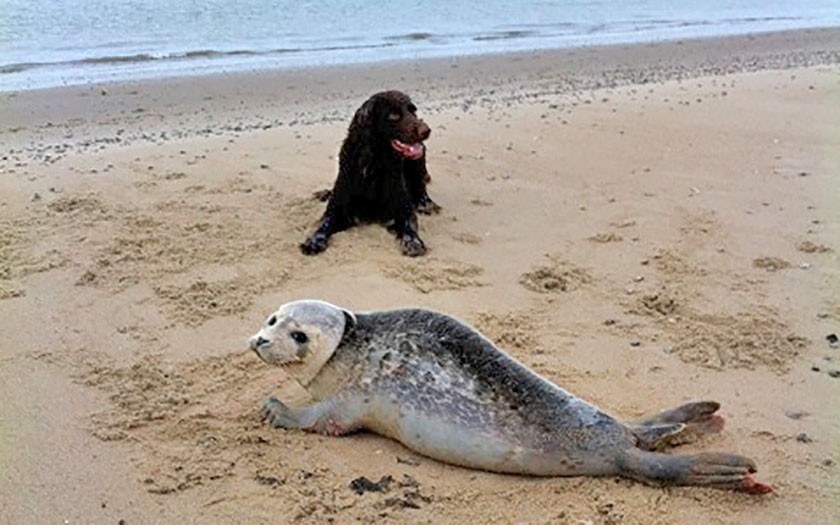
(834, 373)
(803, 438)
(362, 484)
(635, 343)
(804, 265)
(832, 339)
(815, 368)
(795, 414)
(639, 278)
(407, 461)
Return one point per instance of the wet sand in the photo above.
(644, 225)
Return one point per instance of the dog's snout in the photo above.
(423, 130)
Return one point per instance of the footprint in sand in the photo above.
(606, 237)
(810, 247)
(771, 264)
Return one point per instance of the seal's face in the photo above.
(303, 332)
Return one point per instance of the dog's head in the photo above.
(390, 118)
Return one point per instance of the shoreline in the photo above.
(681, 193)
(144, 66)
(86, 118)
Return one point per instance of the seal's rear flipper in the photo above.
(710, 469)
(656, 436)
(700, 419)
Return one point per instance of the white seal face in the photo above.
(302, 332)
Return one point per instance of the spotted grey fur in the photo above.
(442, 389)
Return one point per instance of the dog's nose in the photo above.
(423, 130)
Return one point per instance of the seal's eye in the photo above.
(272, 320)
(299, 337)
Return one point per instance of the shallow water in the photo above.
(56, 42)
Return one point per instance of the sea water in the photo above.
(47, 43)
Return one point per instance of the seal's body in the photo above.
(442, 389)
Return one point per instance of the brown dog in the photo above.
(382, 174)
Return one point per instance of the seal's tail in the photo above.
(711, 469)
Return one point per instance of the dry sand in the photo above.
(644, 225)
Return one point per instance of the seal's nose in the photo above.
(257, 342)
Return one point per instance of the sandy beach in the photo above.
(644, 225)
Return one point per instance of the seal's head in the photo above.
(304, 333)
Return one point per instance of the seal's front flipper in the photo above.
(325, 417)
(710, 469)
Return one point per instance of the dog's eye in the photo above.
(394, 116)
(272, 320)
(299, 337)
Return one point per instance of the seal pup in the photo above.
(442, 389)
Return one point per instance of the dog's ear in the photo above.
(363, 121)
(364, 115)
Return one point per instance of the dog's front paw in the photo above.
(413, 246)
(314, 244)
(322, 195)
(428, 207)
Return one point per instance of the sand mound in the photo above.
(559, 276)
(429, 274)
(148, 248)
(201, 300)
(10, 244)
(673, 264)
(744, 341)
(20, 257)
(656, 304)
(513, 330)
(87, 205)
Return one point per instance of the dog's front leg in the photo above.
(332, 221)
(405, 224)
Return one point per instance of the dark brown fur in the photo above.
(375, 181)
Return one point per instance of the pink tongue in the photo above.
(412, 151)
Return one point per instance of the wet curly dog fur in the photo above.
(382, 174)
